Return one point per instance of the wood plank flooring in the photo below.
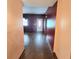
(36, 47)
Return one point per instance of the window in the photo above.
(39, 24)
(51, 23)
(25, 22)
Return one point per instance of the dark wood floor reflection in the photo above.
(36, 47)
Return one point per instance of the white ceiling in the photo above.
(34, 10)
(37, 6)
(39, 3)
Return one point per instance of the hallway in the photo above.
(37, 47)
(39, 31)
(33, 16)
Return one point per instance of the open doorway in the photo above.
(39, 30)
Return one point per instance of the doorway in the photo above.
(39, 31)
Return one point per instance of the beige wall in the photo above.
(15, 43)
(63, 29)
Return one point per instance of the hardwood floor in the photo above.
(36, 47)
